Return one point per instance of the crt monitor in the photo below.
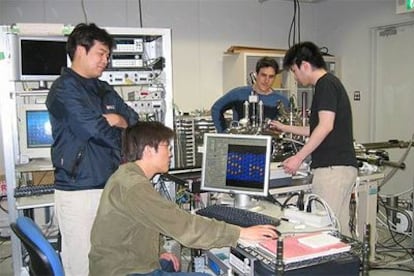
(237, 164)
(35, 132)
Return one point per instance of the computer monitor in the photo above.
(35, 132)
(236, 164)
(39, 58)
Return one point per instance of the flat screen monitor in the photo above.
(236, 164)
(35, 131)
(39, 58)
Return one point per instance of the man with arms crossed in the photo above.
(87, 116)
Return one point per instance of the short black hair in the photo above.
(304, 51)
(143, 133)
(267, 62)
(85, 35)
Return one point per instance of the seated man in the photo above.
(266, 71)
(132, 215)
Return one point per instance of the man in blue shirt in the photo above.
(87, 117)
(266, 70)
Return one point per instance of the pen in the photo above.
(293, 221)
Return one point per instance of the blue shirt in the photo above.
(86, 149)
(235, 99)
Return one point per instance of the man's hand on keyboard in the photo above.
(259, 233)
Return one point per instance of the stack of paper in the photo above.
(305, 247)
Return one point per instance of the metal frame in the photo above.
(8, 118)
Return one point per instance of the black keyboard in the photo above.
(33, 190)
(240, 217)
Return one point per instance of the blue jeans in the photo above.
(167, 269)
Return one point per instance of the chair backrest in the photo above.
(44, 260)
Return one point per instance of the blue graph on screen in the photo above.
(245, 168)
(39, 130)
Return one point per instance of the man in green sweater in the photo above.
(132, 215)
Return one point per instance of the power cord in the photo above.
(272, 200)
(285, 203)
(295, 21)
(392, 232)
(332, 217)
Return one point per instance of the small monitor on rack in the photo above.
(39, 58)
(35, 132)
(238, 164)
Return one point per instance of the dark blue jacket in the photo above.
(86, 149)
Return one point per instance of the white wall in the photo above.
(203, 29)
(344, 27)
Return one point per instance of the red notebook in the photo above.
(304, 247)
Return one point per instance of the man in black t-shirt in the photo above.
(330, 144)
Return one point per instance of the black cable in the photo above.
(5, 238)
(385, 244)
(294, 29)
(2, 259)
(284, 205)
(324, 51)
(140, 13)
(270, 198)
(292, 25)
(404, 212)
(1, 207)
(309, 205)
(352, 214)
(85, 14)
(392, 232)
(2, 241)
(298, 21)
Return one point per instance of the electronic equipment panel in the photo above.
(134, 60)
(236, 164)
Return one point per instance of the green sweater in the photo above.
(131, 217)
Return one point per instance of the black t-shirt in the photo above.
(337, 148)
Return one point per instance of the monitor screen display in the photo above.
(236, 164)
(35, 131)
(39, 130)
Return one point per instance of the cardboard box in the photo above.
(43, 177)
(250, 49)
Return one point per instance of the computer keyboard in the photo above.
(32, 190)
(240, 217)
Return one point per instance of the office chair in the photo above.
(44, 260)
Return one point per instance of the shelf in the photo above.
(38, 201)
(35, 165)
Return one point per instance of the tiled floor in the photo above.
(6, 268)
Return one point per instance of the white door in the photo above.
(393, 98)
